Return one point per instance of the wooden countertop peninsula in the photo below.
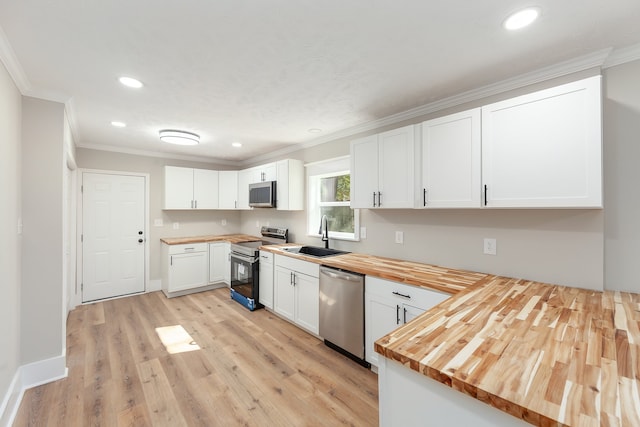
(550, 355)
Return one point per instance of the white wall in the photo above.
(622, 176)
(10, 241)
(42, 329)
(192, 223)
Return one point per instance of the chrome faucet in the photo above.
(324, 231)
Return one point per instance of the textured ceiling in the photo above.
(263, 72)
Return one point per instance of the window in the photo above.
(329, 194)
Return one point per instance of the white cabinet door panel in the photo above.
(451, 175)
(178, 188)
(544, 149)
(364, 172)
(205, 189)
(396, 177)
(284, 295)
(307, 290)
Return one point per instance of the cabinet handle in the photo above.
(291, 278)
(397, 314)
(485, 194)
(192, 204)
(170, 260)
(401, 295)
(404, 315)
(424, 197)
(196, 204)
(235, 204)
(189, 249)
(374, 199)
(379, 199)
(294, 279)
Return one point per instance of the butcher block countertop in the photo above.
(231, 238)
(550, 355)
(429, 276)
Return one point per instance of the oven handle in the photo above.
(242, 257)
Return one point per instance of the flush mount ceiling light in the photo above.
(130, 82)
(179, 137)
(314, 130)
(236, 144)
(522, 18)
(118, 124)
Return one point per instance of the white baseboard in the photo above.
(11, 401)
(154, 285)
(28, 376)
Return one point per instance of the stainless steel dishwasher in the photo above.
(342, 312)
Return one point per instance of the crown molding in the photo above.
(146, 153)
(581, 63)
(10, 61)
(623, 55)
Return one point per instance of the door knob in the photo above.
(140, 240)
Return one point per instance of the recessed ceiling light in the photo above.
(179, 137)
(521, 18)
(236, 144)
(315, 130)
(118, 124)
(130, 82)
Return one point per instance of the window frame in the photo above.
(315, 172)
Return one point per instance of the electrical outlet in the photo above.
(490, 247)
(223, 222)
(158, 222)
(363, 232)
(176, 225)
(399, 237)
(258, 224)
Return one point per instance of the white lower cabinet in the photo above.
(265, 292)
(297, 292)
(186, 267)
(219, 268)
(388, 305)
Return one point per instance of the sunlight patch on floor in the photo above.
(176, 339)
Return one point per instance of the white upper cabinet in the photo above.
(450, 163)
(544, 149)
(382, 170)
(205, 189)
(187, 188)
(228, 190)
(290, 185)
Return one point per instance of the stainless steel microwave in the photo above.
(262, 194)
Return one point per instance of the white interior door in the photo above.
(113, 235)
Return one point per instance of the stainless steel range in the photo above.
(245, 269)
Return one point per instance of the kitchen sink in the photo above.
(315, 251)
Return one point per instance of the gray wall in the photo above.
(192, 223)
(622, 176)
(42, 239)
(10, 241)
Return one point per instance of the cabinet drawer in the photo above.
(401, 293)
(266, 257)
(305, 267)
(185, 249)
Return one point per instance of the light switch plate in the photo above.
(158, 222)
(490, 247)
(399, 237)
(363, 232)
(176, 225)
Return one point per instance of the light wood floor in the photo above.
(254, 369)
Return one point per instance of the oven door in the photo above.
(244, 275)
